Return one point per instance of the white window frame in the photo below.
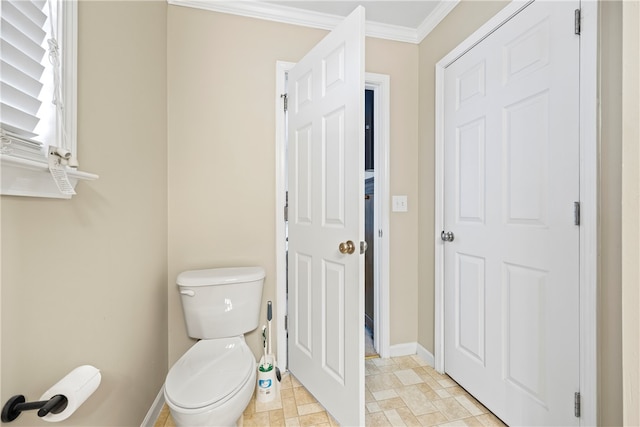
(27, 177)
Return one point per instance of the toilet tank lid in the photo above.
(220, 276)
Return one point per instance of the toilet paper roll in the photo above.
(76, 386)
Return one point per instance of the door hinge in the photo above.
(576, 404)
(286, 101)
(380, 233)
(286, 322)
(286, 207)
(576, 23)
(576, 213)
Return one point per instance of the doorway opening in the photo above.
(370, 350)
(379, 85)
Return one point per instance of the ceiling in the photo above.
(401, 13)
(407, 21)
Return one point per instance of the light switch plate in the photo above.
(399, 204)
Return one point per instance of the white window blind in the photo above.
(38, 57)
(29, 68)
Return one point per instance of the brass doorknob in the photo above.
(347, 247)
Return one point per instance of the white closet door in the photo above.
(511, 181)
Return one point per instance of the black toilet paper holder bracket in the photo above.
(14, 406)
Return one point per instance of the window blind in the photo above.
(22, 69)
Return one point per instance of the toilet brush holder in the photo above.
(266, 388)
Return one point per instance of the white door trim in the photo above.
(380, 83)
(588, 197)
(281, 185)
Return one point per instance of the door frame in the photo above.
(380, 84)
(588, 286)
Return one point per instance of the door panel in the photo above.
(525, 364)
(470, 159)
(326, 192)
(470, 290)
(302, 309)
(511, 129)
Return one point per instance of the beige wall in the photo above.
(221, 136)
(466, 18)
(610, 322)
(631, 213)
(84, 280)
(400, 61)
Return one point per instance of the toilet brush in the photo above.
(273, 359)
(264, 366)
(265, 387)
(269, 316)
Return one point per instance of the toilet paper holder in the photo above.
(17, 404)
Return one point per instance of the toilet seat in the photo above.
(209, 373)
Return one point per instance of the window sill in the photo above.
(23, 177)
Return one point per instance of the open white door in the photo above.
(326, 204)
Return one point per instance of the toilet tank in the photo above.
(221, 302)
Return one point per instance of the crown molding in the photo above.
(269, 12)
(294, 16)
(390, 32)
(439, 13)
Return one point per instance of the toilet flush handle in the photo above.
(188, 293)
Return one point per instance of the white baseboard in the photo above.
(426, 355)
(404, 349)
(409, 348)
(154, 411)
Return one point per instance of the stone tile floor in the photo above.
(400, 391)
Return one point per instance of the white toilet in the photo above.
(212, 383)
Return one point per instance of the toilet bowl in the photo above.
(212, 383)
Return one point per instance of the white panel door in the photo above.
(326, 208)
(511, 180)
